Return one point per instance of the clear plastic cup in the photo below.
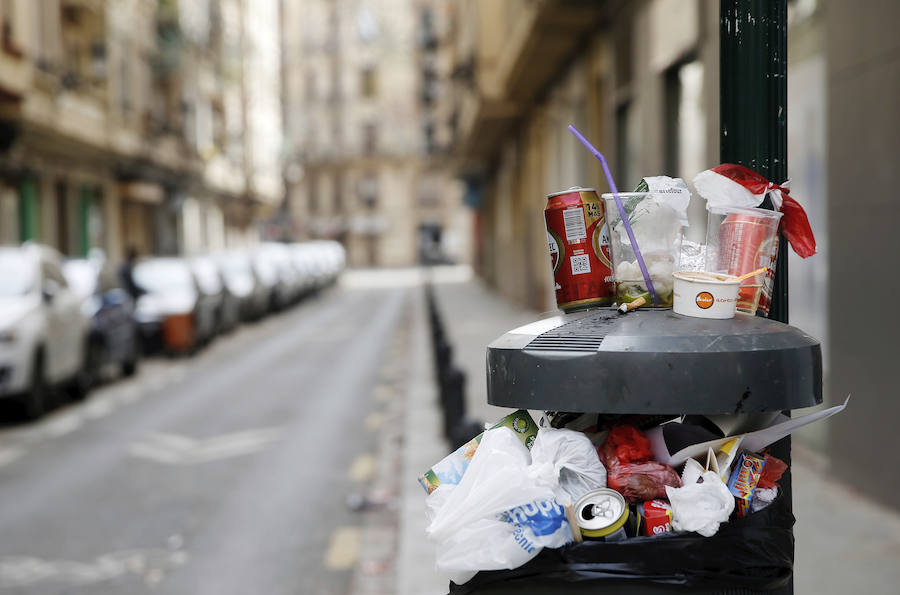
(740, 240)
(658, 231)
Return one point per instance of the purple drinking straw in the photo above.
(622, 214)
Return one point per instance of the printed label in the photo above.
(705, 299)
(573, 219)
(581, 264)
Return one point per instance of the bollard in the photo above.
(453, 400)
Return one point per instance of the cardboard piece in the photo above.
(674, 443)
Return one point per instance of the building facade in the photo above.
(125, 123)
(641, 80)
(360, 168)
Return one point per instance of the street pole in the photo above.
(753, 102)
(753, 126)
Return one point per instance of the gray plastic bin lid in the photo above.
(654, 362)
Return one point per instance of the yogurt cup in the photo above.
(705, 295)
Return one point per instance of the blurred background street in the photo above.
(217, 218)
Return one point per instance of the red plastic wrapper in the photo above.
(630, 469)
(771, 473)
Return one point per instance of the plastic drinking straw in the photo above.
(751, 274)
(622, 214)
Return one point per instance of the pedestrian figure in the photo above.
(126, 272)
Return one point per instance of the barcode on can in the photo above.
(580, 264)
(574, 222)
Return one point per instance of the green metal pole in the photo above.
(753, 112)
(753, 102)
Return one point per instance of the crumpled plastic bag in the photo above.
(701, 506)
(629, 468)
(571, 459)
(507, 506)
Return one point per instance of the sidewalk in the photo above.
(844, 542)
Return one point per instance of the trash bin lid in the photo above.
(656, 362)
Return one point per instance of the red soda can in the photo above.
(578, 239)
(748, 242)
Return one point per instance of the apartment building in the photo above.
(361, 134)
(126, 123)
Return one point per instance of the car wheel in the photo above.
(35, 401)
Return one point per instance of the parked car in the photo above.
(43, 333)
(212, 285)
(171, 314)
(113, 339)
(290, 284)
(266, 272)
(241, 282)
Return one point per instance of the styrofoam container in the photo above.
(705, 295)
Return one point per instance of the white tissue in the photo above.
(701, 507)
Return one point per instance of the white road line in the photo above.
(374, 421)
(343, 550)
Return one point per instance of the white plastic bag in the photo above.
(502, 513)
(574, 462)
(702, 506)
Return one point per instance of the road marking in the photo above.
(374, 421)
(343, 550)
(171, 449)
(363, 468)
(150, 564)
(62, 425)
(8, 455)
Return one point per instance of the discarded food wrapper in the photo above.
(656, 517)
(451, 468)
(743, 481)
(772, 472)
(674, 443)
(701, 506)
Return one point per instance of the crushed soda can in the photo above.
(743, 481)
(656, 517)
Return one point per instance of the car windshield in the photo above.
(160, 276)
(234, 264)
(16, 274)
(81, 276)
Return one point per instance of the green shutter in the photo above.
(86, 200)
(29, 211)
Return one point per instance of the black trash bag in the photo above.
(755, 553)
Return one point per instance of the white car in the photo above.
(43, 332)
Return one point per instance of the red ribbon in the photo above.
(794, 222)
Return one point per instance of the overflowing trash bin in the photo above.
(606, 492)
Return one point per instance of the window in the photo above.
(368, 189)
(309, 86)
(368, 82)
(370, 137)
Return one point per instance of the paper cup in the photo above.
(705, 295)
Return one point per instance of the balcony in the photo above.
(543, 36)
(481, 124)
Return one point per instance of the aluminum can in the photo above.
(578, 238)
(752, 245)
(601, 514)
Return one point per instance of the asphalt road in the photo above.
(223, 473)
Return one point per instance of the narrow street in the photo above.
(224, 473)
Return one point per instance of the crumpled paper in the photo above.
(701, 506)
